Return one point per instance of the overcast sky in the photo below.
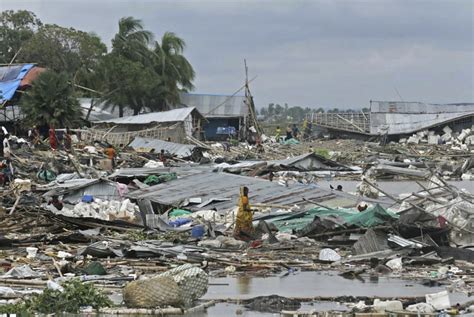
(308, 53)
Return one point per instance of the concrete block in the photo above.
(433, 139)
(413, 140)
(469, 140)
(464, 133)
(422, 134)
(446, 137)
(447, 130)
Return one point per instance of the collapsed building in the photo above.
(174, 125)
(397, 119)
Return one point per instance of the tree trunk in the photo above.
(120, 111)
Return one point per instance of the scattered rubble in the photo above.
(154, 228)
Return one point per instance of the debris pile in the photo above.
(153, 228)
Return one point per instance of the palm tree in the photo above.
(132, 41)
(142, 77)
(51, 101)
(175, 70)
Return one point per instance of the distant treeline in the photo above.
(276, 112)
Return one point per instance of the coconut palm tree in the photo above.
(142, 77)
(175, 70)
(132, 41)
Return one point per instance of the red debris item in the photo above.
(256, 244)
(442, 222)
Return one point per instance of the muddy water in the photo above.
(315, 284)
(311, 284)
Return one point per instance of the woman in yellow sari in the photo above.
(244, 229)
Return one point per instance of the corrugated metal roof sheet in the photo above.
(310, 162)
(408, 117)
(222, 185)
(74, 189)
(180, 150)
(101, 107)
(14, 113)
(102, 190)
(174, 115)
(95, 115)
(140, 171)
(216, 106)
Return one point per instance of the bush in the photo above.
(74, 296)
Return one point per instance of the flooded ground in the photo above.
(310, 285)
(317, 284)
(323, 284)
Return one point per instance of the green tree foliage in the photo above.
(132, 41)
(65, 50)
(128, 84)
(143, 75)
(138, 73)
(16, 28)
(51, 101)
(278, 113)
(175, 70)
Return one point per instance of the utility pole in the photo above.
(250, 103)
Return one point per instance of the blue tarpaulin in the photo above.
(10, 78)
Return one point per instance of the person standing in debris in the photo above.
(244, 229)
(162, 157)
(278, 134)
(289, 133)
(35, 136)
(67, 140)
(295, 131)
(53, 140)
(111, 153)
(6, 147)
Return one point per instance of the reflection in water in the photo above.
(243, 283)
(374, 279)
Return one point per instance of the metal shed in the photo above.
(219, 110)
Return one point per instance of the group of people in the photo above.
(53, 138)
(292, 132)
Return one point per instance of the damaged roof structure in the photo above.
(175, 125)
(15, 78)
(398, 118)
(220, 190)
(140, 144)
